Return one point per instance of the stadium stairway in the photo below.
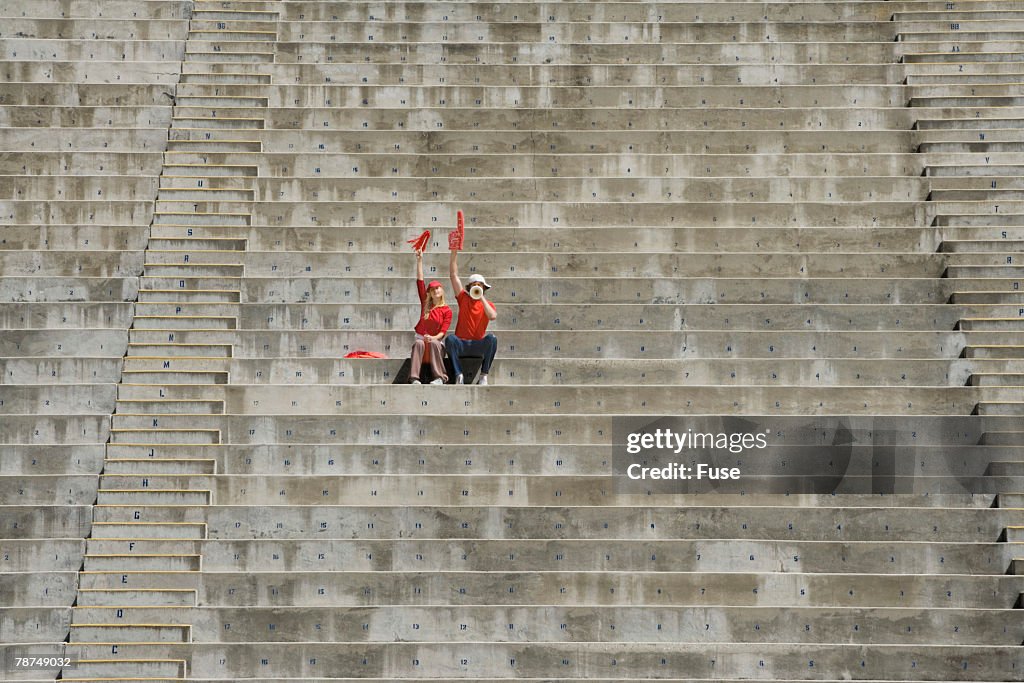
(977, 200)
(132, 586)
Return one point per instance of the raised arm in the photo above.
(489, 310)
(419, 265)
(453, 272)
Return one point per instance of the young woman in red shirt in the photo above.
(435, 319)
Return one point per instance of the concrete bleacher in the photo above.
(685, 208)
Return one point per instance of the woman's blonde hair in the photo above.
(429, 305)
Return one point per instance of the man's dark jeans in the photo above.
(486, 348)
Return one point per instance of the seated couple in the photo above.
(470, 338)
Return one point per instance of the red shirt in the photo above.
(472, 317)
(440, 317)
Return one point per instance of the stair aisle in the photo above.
(142, 561)
(979, 201)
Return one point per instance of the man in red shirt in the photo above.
(475, 312)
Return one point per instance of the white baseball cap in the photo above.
(475, 277)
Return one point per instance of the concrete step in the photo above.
(529, 458)
(620, 290)
(220, 122)
(1015, 408)
(159, 363)
(210, 624)
(1007, 437)
(204, 170)
(166, 421)
(933, 53)
(361, 239)
(138, 633)
(56, 428)
(205, 55)
(1010, 500)
(212, 206)
(185, 321)
(961, 79)
(206, 12)
(212, 296)
(143, 562)
(153, 466)
(170, 597)
(969, 147)
(952, 101)
(166, 407)
(190, 243)
(557, 344)
(994, 351)
(236, 101)
(343, 401)
(80, 404)
(1014, 297)
(52, 459)
(156, 614)
(1006, 469)
(134, 531)
(490, 658)
(592, 265)
(603, 317)
(776, 589)
(142, 581)
(964, 170)
(81, 237)
(1002, 379)
(159, 451)
(153, 497)
(163, 217)
(203, 195)
(165, 436)
(956, 123)
(221, 146)
(241, 184)
(58, 370)
(184, 306)
(585, 555)
(173, 481)
(223, 338)
(46, 490)
(155, 350)
(218, 36)
(963, 16)
(238, 78)
(29, 555)
(990, 196)
(121, 669)
(992, 324)
(984, 271)
(718, 516)
(970, 34)
(535, 371)
(194, 270)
